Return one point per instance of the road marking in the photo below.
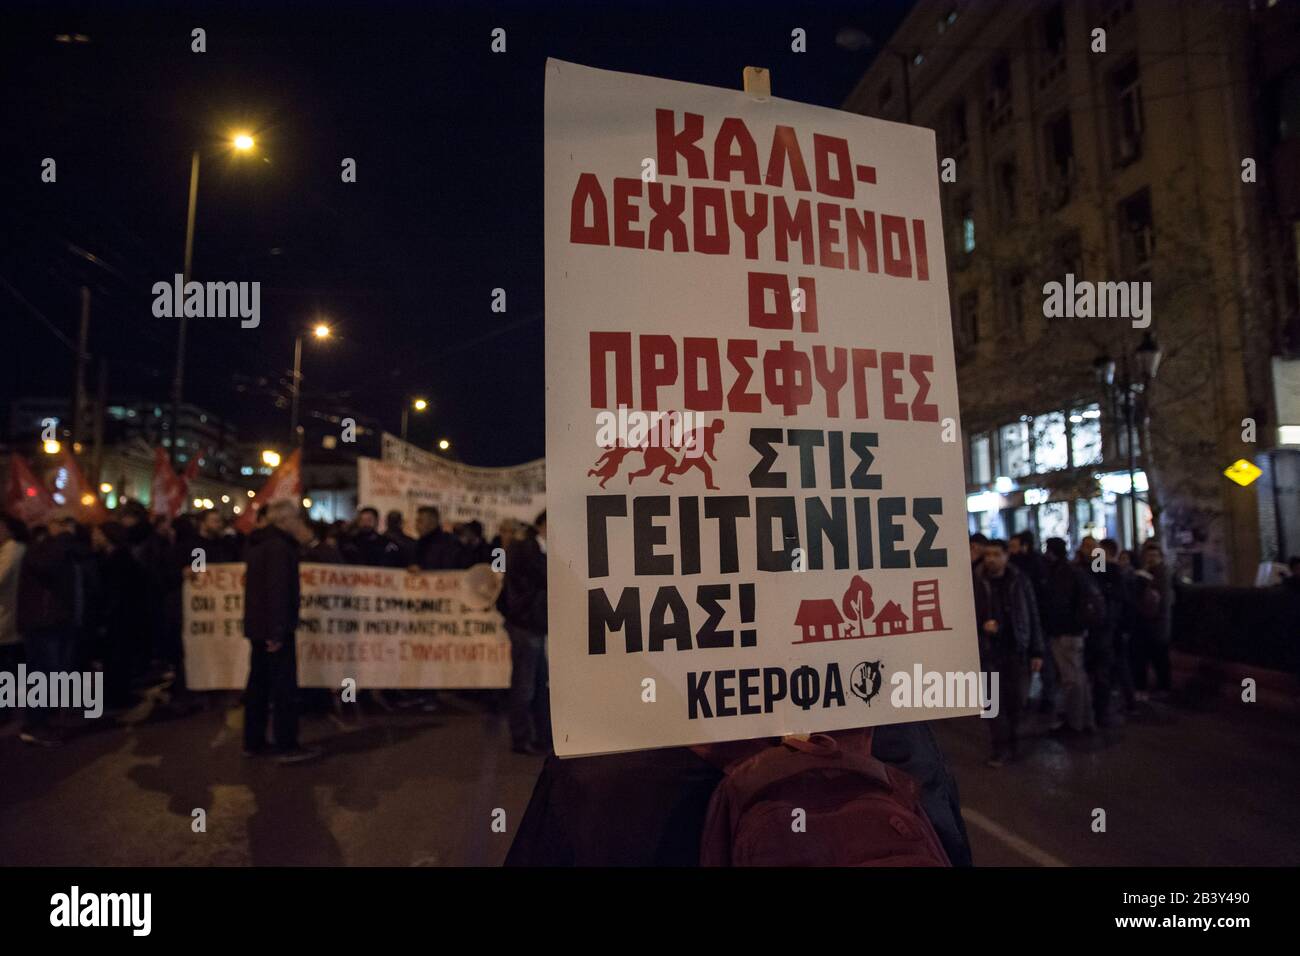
(1021, 846)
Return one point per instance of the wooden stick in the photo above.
(758, 81)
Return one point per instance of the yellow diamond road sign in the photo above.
(1243, 472)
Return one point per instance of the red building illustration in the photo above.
(925, 606)
(820, 620)
(891, 620)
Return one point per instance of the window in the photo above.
(1015, 303)
(1008, 187)
(1052, 58)
(948, 19)
(957, 121)
(1126, 104)
(1054, 520)
(1059, 142)
(1137, 239)
(1050, 442)
(963, 225)
(1085, 435)
(1066, 258)
(1013, 440)
(1054, 31)
(999, 103)
(1286, 95)
(981, 461)
(968, 321)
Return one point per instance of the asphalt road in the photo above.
(1185, 782)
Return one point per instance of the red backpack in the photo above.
(858, 811)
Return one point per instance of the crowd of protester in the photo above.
(1085, 637)
(108, 597)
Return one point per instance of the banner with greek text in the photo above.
(756, 499)
(383, 627)
(409, 477)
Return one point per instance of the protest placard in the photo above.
(383, 627)
(756, 503)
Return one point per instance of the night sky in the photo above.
(448, 204)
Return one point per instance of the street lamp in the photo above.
(271, 459)
(241, 143)
(320, 331)
(1129, 393)
(419, 404)
(443, 445)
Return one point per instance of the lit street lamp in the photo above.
(241, 143)
(320, 331)
(1128, 392)
(419, 404)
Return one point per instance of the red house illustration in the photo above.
(926, 615)
(891, 620)
(820, 620)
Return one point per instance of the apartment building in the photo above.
(1113, 141)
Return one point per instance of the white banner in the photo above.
(409, 477)
(383, 627)
(756, 497)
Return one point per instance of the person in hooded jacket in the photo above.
(271, 600)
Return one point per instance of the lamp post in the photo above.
(242, 143)
(419, 404)
(1127, 382)
(319, 331)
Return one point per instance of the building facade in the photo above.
(1123, 151)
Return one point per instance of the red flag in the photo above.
(25, 497)
(285, 483)
(192, 469)
(78, 495)
(167, 492)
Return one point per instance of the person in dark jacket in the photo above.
(977, 543)
(1065, 599)
(219, 547)
(648, 807)
(366, 546)
(523, 604)
(404, 557)
(435, 549)
(271, 598)
(53, 610)
(122, 610)
(1010, 636)
(1107, 657)
(473, 549)
(1155, 621)
(1028, 560)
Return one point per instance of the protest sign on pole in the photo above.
(756, 503)
(409, 477)
(382, 627)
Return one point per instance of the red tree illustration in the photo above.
(856, 603)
